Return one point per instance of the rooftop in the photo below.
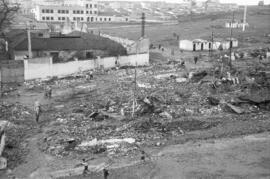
(76, 41)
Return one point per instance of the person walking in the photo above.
(37, 109)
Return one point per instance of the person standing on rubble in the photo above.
(48, 91)
(105, 173)
(195, 59)
(37, 109)
(85, 165)
(91, 76)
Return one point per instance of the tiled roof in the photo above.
(85, 42)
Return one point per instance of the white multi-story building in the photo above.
(73, 11)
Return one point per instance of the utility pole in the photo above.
(143, 25)
(212, 44)
(245, 18)
(231, 42)
(30, 55)
(134, 101)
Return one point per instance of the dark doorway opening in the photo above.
(55, 57)
(194, 47)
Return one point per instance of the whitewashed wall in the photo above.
(43, 68)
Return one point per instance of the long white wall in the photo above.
(43, 68)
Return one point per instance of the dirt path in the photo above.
(36, 161)
(243, 157)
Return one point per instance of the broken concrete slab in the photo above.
(235, 109)
(181, 80)
(95, 142)
(112, 115)
(3, 163)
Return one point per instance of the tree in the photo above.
(7, 12)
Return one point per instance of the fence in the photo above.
(43, 67)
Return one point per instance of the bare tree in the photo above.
(7, 12)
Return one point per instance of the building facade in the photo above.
(82, 11)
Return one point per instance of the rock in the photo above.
(181, 80)
(9, 171)
(213, 101)
(235, 109)
(166, 115)
(3, 163)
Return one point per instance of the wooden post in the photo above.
(230, 63)
(134, 103)
(245, 18)
(29, 41)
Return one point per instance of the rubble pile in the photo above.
(20, 121)
(158, 107)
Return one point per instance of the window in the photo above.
(63, 18)
(105, 19)
(78, 12)
(95, 12)
(59, 18)
(78, 19)
(109, 19)
(52, 18)
(74, 18)
(86, 5)
(90, 12)
(67, 11)
(59, 11)
(43, 18)
(95, 5)
(63, 11)
(47, 11)
(51, 10)
(43, 11)
(74, 12)
(47, 18)
(100, 19)
(81, 12)
(90, 5)
(81, 18)
(87, 12)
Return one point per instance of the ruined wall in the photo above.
(123, 41)
(140, 46)
(11, 71)
(132, 47)
(43, 67)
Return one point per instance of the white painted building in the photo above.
(74, 11)
(236, 25)
(203, 45)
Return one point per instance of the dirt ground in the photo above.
(181, 133)
(257, 17)
(241, 157)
